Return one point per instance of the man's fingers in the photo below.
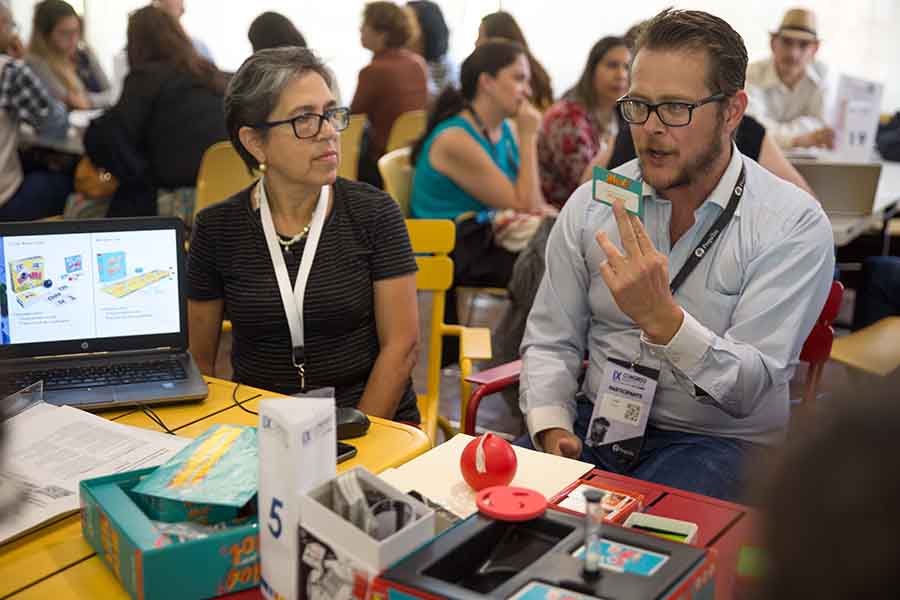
(613, 256)
(570, 448)
(643, 240)
(626, 231)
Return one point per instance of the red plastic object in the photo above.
(488, 382)
(508, 503)
(488, 461)
(817, 347)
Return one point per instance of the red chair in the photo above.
(817, 347)
(816, 350)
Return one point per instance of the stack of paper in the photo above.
(50, 449)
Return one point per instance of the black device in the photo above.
(484, 558)
(345, 452)
(351, 423)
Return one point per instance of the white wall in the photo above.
(860, 38)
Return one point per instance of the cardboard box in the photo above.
(339, 560)
(297, 451)
(124, 537)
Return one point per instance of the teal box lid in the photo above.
(218, 468)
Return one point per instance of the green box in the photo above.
(123, 536)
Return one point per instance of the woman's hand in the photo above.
(528, 119)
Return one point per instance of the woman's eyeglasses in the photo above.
(308, 125)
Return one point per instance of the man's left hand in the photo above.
(639, 279)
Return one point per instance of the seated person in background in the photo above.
(879, 295)
(23, 97)
(714, 352)
(174, 8)
(394, 82)
(579, 131)
(274, 30)
(830, 508)
(57, 54)
(354, 314)
(787, 92)
(501, 24)
(171, 105)
(432, 45)
(469, 163)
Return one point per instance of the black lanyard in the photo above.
(711, 235)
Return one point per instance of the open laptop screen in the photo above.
(67, 289)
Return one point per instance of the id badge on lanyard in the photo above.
(292, 299)
(622, 409)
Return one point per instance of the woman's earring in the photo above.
(262, 167)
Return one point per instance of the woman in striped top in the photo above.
(358, 313)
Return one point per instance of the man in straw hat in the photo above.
(787, 91)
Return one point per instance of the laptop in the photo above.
(96, 310)
(844, 189)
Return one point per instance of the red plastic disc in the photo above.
(508, 503)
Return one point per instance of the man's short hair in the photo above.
(696, 30)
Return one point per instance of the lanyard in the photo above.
(293, 299)
(711, 235)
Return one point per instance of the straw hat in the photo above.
(800, 24)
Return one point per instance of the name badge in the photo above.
(622, 406)
(609, 186)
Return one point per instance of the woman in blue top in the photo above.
(470, 161)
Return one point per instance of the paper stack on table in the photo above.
(50, 449)
(436, 474)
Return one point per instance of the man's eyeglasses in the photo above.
(672, 114)
(309, 125)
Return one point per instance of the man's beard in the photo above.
(694, 169)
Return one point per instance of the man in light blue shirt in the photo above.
(727, 341)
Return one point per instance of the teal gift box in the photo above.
(124, 537)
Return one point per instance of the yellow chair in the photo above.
(407, 128)
(350, 145)
(432, 241)
(874, 349)
(222, 174)
(397, 173)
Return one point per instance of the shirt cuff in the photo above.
(687, 346)
(541, 418)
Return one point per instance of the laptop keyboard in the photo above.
(101, 375)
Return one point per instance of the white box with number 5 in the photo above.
(297, 452)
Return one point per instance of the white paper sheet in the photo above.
(51, 449)
(436, 474)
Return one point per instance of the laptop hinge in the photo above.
(143, 351)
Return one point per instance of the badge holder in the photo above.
(622, 410)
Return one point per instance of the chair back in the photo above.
(407, 128)
(817, 347)
(432, 241)
(397, 173)
(351, 139)
(222, 174)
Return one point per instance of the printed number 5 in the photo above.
(274, 516)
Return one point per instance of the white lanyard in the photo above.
(293, 300)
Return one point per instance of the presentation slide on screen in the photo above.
(88, 285)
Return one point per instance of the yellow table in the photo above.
(56, 561)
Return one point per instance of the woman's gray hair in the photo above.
(254, 91)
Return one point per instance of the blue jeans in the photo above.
(879, 295)
(704, 464)
(42, 194)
